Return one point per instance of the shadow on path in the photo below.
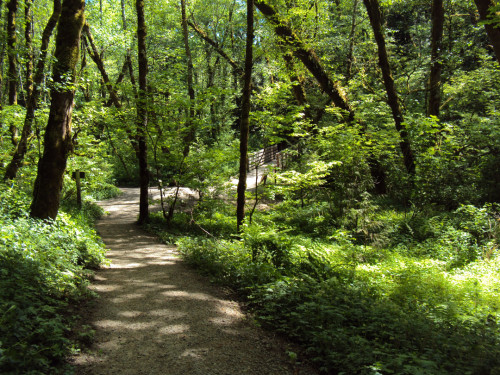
(157, 316)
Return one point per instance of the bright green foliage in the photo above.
(43, 270)
(426, 302)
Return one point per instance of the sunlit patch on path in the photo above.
(155, 315)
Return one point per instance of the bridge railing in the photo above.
(267, 155)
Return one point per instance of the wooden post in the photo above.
(78, 189)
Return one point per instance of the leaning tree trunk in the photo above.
(245, 118)
(375, 16)
(493, 30)
(436, 63)
(22, 146)
(331, 88)
(142, 114)
(57, 140)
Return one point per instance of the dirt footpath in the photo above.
(155, 315)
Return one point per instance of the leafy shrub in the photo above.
(43, 269)
(357, 310)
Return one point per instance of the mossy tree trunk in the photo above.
(11, 57)
(142, 113)
(57, 140)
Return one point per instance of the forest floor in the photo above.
(156, 315)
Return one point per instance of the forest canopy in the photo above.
(372, 129)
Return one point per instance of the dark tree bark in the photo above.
(245, 118)
(124, 19)
(190, 128)
(375, 16)
(352, 38)
(11, 57)
(22, 146)
(493, 30)
(11, 51)
(436, 64)
(142, 114)
(2, 50)
(57, 140)
(28, 29)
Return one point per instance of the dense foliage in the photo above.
(422, 300)
(44, 273)
(374, 239)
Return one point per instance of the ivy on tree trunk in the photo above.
(57, 140)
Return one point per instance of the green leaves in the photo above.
(42, 270)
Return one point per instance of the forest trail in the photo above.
(155, 315)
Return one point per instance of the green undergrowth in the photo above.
(44, 271)
(397, 293)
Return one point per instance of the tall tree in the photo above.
(190, 128)
(142, 113)
(57, 139)
(28, 29)
(375, 15)
(245, 118)
(436, 63)
(11, 50)
(492, 29)
(11, 55)
(22, 146)
(352, 39)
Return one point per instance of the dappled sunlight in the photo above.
(174, 329)
(155, 311)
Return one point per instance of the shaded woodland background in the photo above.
(373, 242)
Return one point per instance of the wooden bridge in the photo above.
(268, 155)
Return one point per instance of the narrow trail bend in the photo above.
(155, 315)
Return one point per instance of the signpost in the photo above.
(77, 176)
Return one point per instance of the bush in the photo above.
(43, 270)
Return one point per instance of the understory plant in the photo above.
(44, 269)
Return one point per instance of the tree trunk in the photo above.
(11, 51)
(28, 29)
(22, 146)
(436, 64)
(493, 30)
(190, 128)
(352, 37)
(375, 16)
(124, 19)
(142, 113)
(2, 50)
(203, 35)
(57, 140)
(245, 118)
(11, 56)
(313, 64)
(94, 54)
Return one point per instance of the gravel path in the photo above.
(155, 315)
